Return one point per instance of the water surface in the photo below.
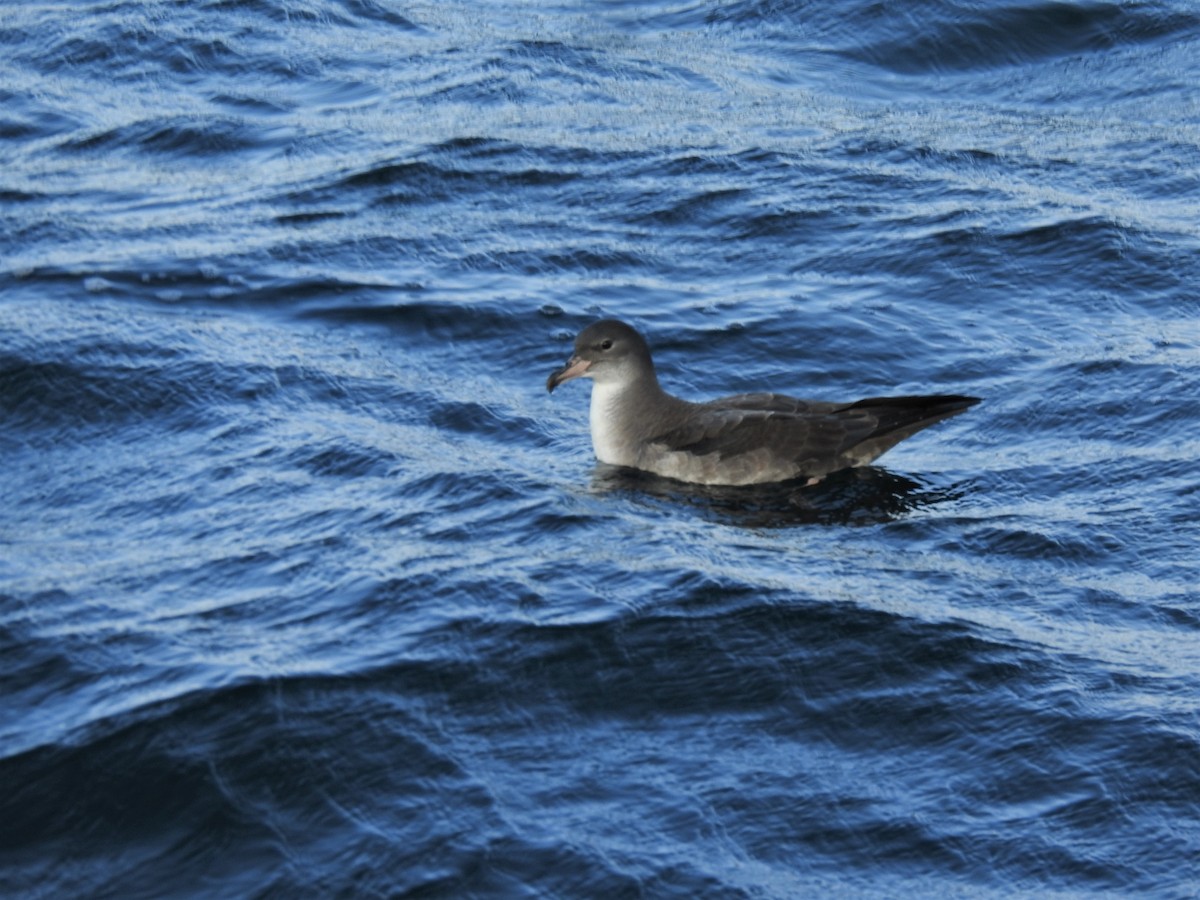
(307, 588)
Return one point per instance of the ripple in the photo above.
(295, 545)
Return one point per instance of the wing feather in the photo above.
(803, 431)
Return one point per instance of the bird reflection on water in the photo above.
(866, 495)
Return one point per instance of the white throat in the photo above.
(606, 424)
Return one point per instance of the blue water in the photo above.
(309, 589)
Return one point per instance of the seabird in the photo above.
(743, 439)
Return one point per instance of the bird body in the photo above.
(742, 439)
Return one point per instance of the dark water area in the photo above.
(308, 588)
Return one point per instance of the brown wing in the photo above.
(764, 402)
(787, 435)
(805, 431)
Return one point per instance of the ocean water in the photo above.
(309, 589)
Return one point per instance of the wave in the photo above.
(395, 764)
(960, 35)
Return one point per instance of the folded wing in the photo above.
(816, 437)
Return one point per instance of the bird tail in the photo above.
(900, 417)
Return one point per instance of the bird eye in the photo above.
(606, 344)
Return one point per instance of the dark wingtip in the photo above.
(951, 404)
(954, 402)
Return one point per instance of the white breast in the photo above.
(605, 421)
